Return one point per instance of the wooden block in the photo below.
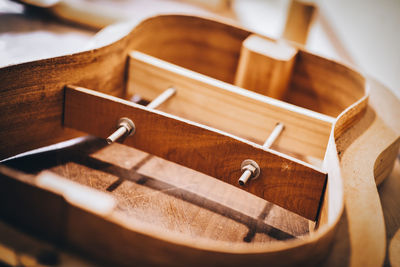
(299, 20)
(229, 108)
(265, 66)
(284, 181)
(214, 5)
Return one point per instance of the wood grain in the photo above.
(283, 181)
(317, 84)
(164, 194)
(265, 67)
(299, 20)
(227, 107)
(127, 236)
(364, 129)
(324, 86)
(363, 149)
(103, 69)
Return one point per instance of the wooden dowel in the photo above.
(164, 96)
(274, 135)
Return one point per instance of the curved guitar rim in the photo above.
(313, 246)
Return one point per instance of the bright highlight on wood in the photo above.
(212, 127)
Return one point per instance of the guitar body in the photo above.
(136, 202)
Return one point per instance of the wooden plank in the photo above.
(265, 66)
(317, 83)
(301, 250)
(284, 181)
(228, 107)
(192, 43)
(31, 94)
(87, 212)
(164, 194)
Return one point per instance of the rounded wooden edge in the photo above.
(325, 231)
(367, 135)
(323, 234)
(394, 250)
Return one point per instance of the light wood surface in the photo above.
(265, 67)
(104, 69)
(361, 149)
(388, 191)
(283, 180)
(299, 20)
(128, 239)
(147, 187)
(326, 87)
(317, 84)
(125, 232)
(394, 250)
(229, 108)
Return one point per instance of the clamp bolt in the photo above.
(125, 127)
(250, 170)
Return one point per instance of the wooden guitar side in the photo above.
(361, 149)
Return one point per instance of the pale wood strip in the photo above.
(227, 107)
(284, 181)
(363, 149)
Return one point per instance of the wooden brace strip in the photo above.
(227, 107)
(284, 181)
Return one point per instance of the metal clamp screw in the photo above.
(250, 170)
(125, 127)
(249, 167)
